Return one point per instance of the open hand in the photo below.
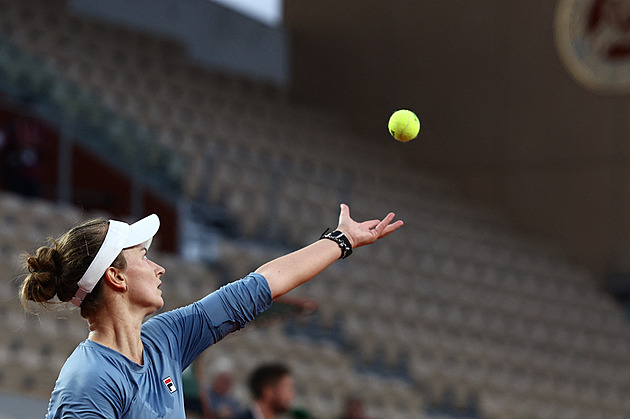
(366, 232)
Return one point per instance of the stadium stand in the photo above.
(457, 316)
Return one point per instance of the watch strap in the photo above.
(339, 238)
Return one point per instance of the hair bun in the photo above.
(44, 268)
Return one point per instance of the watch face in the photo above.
(593, 41)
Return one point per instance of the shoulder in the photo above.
(91, 381)
(90, 361)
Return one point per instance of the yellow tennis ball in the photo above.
(404, 125)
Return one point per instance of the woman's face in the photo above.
(143, 279)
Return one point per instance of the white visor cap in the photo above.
(119, 236)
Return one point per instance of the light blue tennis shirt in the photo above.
(98, 382)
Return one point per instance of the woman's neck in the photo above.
(119, 331)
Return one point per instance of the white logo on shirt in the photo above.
(170, 385)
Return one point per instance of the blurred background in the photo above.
(504, 296)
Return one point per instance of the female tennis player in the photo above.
(130, 369)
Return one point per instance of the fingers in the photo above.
(384, 223)
(374, 224)
(370, 224)
(384, 227)
(391, 228)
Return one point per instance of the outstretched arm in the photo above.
(289, 271)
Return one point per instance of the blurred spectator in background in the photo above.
(221, 402)
(273, 391)
(208, 391)
(354, 409)
(192, 382)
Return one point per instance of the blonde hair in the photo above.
(55, 270)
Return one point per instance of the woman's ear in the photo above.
(115, 279)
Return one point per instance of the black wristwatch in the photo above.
(341, 239)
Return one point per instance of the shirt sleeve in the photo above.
(188, 331)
